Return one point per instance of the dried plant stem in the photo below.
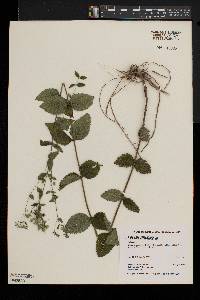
(122, 128)
(136, 154)
(155, 122)
(109, 104)
(83, 186)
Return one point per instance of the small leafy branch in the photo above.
(87, 170)
(135, 74)
(53, 103)
(64, 130)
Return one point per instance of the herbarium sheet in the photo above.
(100, 152)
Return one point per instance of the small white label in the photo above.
(155, 253)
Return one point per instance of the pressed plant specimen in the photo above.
(147, 75)
(64, 130)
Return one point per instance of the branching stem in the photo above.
(136, 154)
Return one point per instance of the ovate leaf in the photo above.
(113, 195)
(130, 205)
(102, 248)
(58, 135)
(77, 223)
(125, 160)
(47, 94)
(71, 177)
(80, 128)
(40, 192)
(83, 77)
(142, 166)
(89, 169)
(64, 123)
(51, 157)
(105, 242)
(99, 221)
(81, 101)
(76, 74)
(57, 105)
(112, 238)
(80, 84)
(143, 134)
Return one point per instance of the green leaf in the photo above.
(51, 157)
(142, 166)
(125, 160)
(71, 177)
(83, 77)
(81, 101)
(35, 204)
(48, 143)
(42, 176)
(113, 195)
(40, 192)
(45, 143)
(53, 199)
(69, 109)
(47, 94)
(64, 123)
(76, 74)
(77, 223)
(130, 205)
(89, 169)
(105, 242)
(57, 105)
(81, 127)
(80, 84)
(99, 221)
(71, 85)
(143, 134)
(112, 238)
(58, 135)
